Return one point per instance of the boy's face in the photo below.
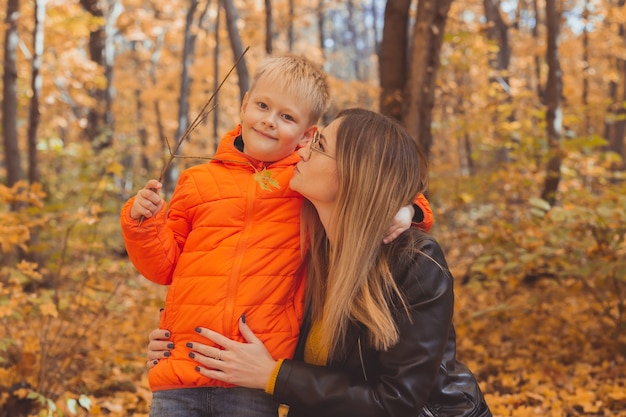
(274, 123)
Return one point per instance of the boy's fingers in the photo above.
(391, 234)
(150, 196)
(154, 185)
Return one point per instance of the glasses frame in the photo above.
(314, 145)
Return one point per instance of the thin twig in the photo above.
(199, 118)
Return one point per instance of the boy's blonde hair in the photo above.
(300, 77)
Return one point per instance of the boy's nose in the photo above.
(269, 120)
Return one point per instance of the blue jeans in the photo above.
(213, 402)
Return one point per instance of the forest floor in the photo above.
(536, 352)
(532, 351)
(534, 348)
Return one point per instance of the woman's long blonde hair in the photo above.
(380, 170)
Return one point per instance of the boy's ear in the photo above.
(308, 135)
(244, 104)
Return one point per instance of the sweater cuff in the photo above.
(271, 384)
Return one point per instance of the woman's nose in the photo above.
(305, 152)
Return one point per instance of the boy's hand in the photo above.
(401, 223)
(148, 201)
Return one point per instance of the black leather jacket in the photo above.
(409, 379)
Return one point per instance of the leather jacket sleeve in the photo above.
(392, 383)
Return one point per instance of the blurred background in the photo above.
(520, 106)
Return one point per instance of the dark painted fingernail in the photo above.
(198, 368)
(243, 318)
(189, 345)
(166, 354)
(155, 362)
(170, 345)
(161, 310)
(167, 334)
(192, 355)
(198, 330)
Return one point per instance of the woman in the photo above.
(378, 339)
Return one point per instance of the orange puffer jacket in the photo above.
(226, 247)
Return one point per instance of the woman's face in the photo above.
(315, 176)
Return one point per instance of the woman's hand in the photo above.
(245, 364)
(159, 346)
(401, 223)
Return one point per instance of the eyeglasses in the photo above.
(315, 146)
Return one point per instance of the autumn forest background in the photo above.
(520, 105)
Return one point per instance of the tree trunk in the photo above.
(321, 17)
(420, 89)
(612, 95)
(466, 154)
(189, 40)
(554, 90)
(374, 13)
(497, 32)
(113, 12)
(352, 38)
(392, 59)
(9, 95)
(292, 17)
(34, 116)
(537, 59)
(587, 129)
(142, 133)
(216, 78)
(154, 60)
(268, 27)
(539, 90)
(616, 138)
(237, 46)
(96, 129)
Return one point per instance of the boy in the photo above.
(229, 246)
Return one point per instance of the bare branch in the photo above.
(199, 118)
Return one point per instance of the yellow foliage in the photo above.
(116, 168)
(540, 345)
(21, 393)
(13, 236)
(29, 269)
(49, 310)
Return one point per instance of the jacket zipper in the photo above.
(234, 279)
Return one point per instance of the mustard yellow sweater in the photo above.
(314, 353)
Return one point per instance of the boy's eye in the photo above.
(262, 105)
(288, 117)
